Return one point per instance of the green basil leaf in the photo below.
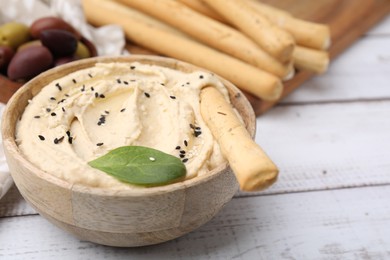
(140, 165)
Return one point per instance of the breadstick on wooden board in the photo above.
(249, 78)
(202, 8)
(310, 59)
(252, 167)
(305, 33)
(308, 34)
(212, 33)
(271, 38)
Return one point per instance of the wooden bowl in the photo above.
(122, 218)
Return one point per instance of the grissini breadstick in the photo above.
(202, 8)
(308, 34)
(253, 80)
(211, 32)
(310, 59)
(271, 38)
(305, 33)
(252, 167)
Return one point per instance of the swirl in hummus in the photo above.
(87, 113)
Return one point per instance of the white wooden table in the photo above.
(331, 141)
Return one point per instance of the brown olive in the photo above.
(60, 43)
(29, 44)
(6, 54)
(51, 22)
(29, 62)
(64, 60)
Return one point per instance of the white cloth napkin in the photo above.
(109, 40)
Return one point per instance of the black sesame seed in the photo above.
(182, 151)
(197, 133)
(48, 110)
(162, 84)
(61, 101)
(147, 95)
(67, 95)
(125, 82)
(74, 81)
(59, 140)
(201, 76)
(83, 88)
(102, 96)
(70, 139)
(92, 88)
(102, 120)
(221, 113)
(53, 114)
(37, 117)
(96, 95)
(185, 143)
(197, 128)
(192, 126)
(123, 110)
(132, 67)
(68, 133)
(41, 137)
(99, 144)
(107, 112)
(187, 83)
(182, 155)
(178, 147)
(63, 109)
(59, 87)
(119, 81)
(173, 97)
(52, 98)
(89, 74)
(185, 160)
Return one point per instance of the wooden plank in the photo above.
(327, 146)
(337, 224)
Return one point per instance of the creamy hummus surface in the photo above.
(85, 114)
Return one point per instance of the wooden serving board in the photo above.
(348, 20)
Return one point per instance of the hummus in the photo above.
(84, 115)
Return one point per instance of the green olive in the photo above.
(14, 34)
(82, 51)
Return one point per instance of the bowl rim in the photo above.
(9, 141)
